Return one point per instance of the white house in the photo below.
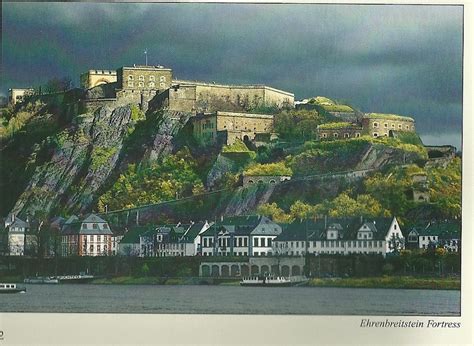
(16, 235)
(340, 236)
(240, 236)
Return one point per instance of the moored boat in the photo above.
(11, 288)
(41, 280)
(271, 281)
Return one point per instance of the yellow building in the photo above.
(207, 127)
(144, 78)
(379, 124)
(93, 78)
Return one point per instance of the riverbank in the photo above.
(403, 282)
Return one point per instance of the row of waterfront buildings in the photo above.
(241, 236)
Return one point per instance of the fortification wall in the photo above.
(341, 133)
(381, 126)
(203, 97)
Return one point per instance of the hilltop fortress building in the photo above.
(216, 109)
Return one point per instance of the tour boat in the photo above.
(11, 288)
(41, 280)
(266, 281)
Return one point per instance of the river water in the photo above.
(231, 300)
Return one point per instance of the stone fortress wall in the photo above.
(377, 125)
(93, 78)
(243, 126)
(207, 97)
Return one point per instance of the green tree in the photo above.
(274, 212)
(174, 177)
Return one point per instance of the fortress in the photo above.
(219, 112)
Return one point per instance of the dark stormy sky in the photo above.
(380, 58)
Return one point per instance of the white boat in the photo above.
(11, 288)
(41, 280)
(266, 281)
(273, 281)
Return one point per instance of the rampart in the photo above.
(206, 97)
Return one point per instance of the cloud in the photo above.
(379, 57)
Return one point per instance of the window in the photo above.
(399, 126)
(376, 125)
(365, 235)
(84, 226)
(357, 134)
(325, 135)
(141, 78)
(130, 77)
(140, 84)
(152, 78)
(376, 134)
(385, 125)
(245, 241)
(269, 242)
(336, 135)
(162, 85)
(255, 241)
(105, 226)
(393, 126)
(162, 79)
(130, 84)
(151, 84)
(407, 127)
(346, 135)
(95, 226)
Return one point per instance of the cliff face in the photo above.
(86, 157)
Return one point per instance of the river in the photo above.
(76, 298)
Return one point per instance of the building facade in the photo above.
(379, 125)
(93, 78)
(189, 96)
(16, 229)
(88, 237)
(230, 126)
(341, 130)
(240, 236)
(340, 236)
(445, 234)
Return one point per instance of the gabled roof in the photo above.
(134, 233)
(444, 229)
(239, 225)
(19, 223)
(347, 228)
(93, 218)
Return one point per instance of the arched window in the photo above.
(141, 78)
(151, 84)
(357, 134)
(336, 134)
(140, 84)
(376, 125)
(130, 77)
(162, 79)
(346, 135)
(376, 134)
(152, 78)
(162, 85)
(130, 84)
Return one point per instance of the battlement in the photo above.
(232, 86)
